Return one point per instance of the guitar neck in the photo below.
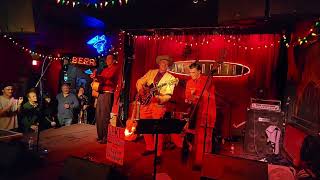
(157, 87)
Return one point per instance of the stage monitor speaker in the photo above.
(258, 121)
(234, 10)
(223, 167)
(82, 169)
(16, 16)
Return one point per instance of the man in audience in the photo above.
(9, 108)
(67, 102)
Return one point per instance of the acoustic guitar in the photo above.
(95, 88)
(131, 124)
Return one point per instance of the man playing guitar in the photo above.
(156, 109)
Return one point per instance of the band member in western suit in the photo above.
(156, 109)
(204, 116)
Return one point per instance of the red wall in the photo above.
(15, 65)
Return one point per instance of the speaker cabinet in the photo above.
(258, 121)
(81, 169)
(230, 168)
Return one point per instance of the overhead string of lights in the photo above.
(311, 36)
(29, 50)
(198, 40)
(97, 4)
(113, 50)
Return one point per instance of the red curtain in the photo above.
(257, 51)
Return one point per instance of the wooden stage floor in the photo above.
(80, 140)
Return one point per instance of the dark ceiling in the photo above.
(65, 30)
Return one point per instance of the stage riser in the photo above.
(230, 168)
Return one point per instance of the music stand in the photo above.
(159, 126)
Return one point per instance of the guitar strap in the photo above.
(157, 78)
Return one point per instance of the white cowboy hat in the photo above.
(164, 57)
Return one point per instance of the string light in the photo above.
(195, 41)
(27, 50)
(101, 3)
(31, 52)
(312, 36)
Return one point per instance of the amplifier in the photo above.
(256, 138)
(268, 105)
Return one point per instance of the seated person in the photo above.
(30, 113)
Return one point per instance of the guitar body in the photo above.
(95, 89)
(131, 123)
(147, 95)
(130, 135)
(148, 91)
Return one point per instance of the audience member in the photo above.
(9, 108)
(67, 103)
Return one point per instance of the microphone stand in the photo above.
(39, 83)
